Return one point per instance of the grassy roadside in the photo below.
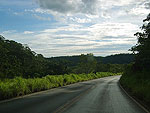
(137, 86)
(18, 86)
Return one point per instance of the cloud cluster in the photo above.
(100, 39)
(88, 6)
(70, 6)
(141, 8)
(101, 27)
(94, 11)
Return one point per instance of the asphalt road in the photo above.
(96, 96)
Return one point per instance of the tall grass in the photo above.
(138, 84)
(18, 86)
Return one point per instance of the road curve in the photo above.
(96, 96)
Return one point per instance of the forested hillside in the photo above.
(19, 60)
(112, 59)
(117, 59)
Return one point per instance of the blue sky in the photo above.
(73, 27)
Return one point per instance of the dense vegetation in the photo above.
(137, 76)
(22, 71)
(20, 86)
(18, 60)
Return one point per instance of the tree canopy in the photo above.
(142, 48)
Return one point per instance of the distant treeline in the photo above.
(112, 59)
(19, 60)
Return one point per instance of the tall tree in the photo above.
(142, 48)
(87, 63)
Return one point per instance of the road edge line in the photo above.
(140, 105)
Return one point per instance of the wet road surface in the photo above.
(96, 96)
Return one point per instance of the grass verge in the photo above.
(138, 85)
(19, 86)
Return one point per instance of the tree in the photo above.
(87, 64)
(142, 48)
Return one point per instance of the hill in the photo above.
(112, 59)
(17, 59)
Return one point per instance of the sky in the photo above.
(73, 27)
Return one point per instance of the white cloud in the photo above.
(38, 10)
(28, 32)
(139, 11)
(141, 8)
(76, 39)
(42, 18)
(80, 20)
(9, 32)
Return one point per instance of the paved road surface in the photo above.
(95, 96)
